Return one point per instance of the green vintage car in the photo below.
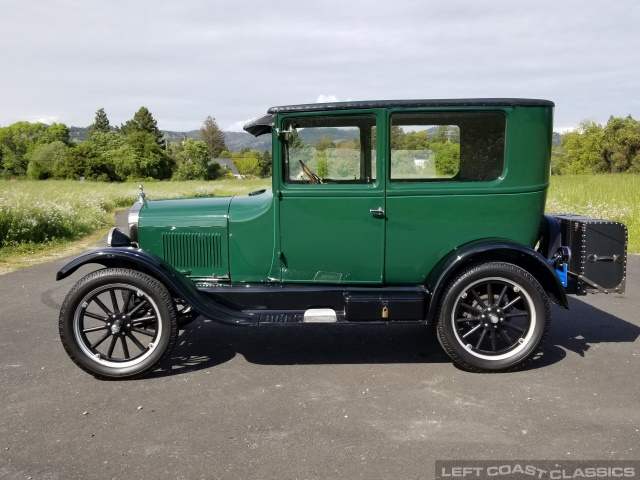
(387, 212)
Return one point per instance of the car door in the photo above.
(331, 201)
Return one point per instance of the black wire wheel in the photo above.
(118, 323)
(493, 317)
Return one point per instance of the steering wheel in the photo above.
(313, 178)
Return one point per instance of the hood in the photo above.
(186, 212)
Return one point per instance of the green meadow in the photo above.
(56, 211)
(611, 197)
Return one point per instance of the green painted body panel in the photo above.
(252, 238)
(331, 239)
(426, 221)
(190, 234)
(420, 231)
(303, 233)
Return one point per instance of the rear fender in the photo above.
(494, 251)
(135, 259)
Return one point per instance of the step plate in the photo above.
(320, 315)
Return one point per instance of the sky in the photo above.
(62, 60)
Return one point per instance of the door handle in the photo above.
(378, 211)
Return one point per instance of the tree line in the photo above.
(592, 148)
(135, 150)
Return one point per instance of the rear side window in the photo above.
(432, 147)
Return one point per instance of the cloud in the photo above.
(68, 62)
(238, 126)
(48, 120)
(327, 99)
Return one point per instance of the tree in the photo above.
(213, 137)
(621, 144)
(142, 158)
(247, 165)
(323, 144)
(19, 140)
(583, 148)
(74, 164)
(190, 171)
(143, 121)
(100, 124)
(43, 159)
(265, 163)
(194, 151)
(194, 162)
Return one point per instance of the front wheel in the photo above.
(493, 317)
(118, 323)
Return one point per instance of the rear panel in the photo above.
(598, 254)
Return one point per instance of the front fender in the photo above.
(135, 259)
(495, 251)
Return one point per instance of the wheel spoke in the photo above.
(515, 314)
(137, 307)
(102, 306)
(502, 294)
(114, 300)
(125, 349)
(136, 342)
(513, 327)
(143, 332)
(143, 319)
(489, 295)
(126, 298)
(484, 333)
(511, 303)
(470, 308)
(97, 317)
(467, 319)
(101, 339)
(94, 329)
(472, 330)
(506, 337)
(477, 297)
(493, 340)
(114, 340)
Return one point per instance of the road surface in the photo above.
(320, 402)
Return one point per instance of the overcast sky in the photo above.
(63, 60)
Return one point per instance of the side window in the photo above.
(431, 147)
(329, 149)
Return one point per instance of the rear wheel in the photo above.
(493, 317)
(118, 323)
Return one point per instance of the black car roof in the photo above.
(264, 124)
(462, 102)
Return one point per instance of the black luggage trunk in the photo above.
(598, 254)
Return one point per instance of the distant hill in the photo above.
(236, 141)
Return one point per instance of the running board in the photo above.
(313, 315)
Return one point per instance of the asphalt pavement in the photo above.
(320, 402)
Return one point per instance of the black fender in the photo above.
(550, 236)
(136, 259)
(494, 251)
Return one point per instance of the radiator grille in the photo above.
(191, 250)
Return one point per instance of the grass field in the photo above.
(42, 221)
(51, 213)
(611, 197)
